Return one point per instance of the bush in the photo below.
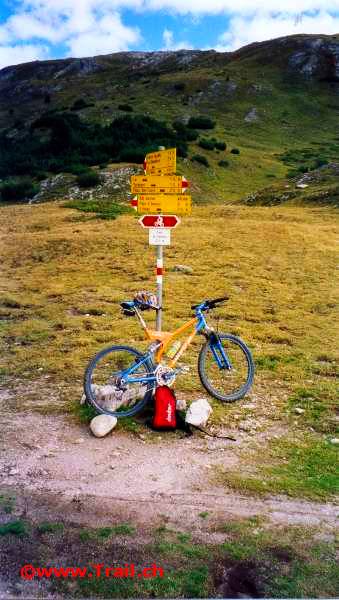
(179, 87)
(235, 151)
(206, 144)
(79, 104)
(220, 146)
(76, 169)
(188, 135)
(125, 107)
(320, 162)
(223, 163)
(200, 159)
(201, 123)
(88, 179)
(14, 190)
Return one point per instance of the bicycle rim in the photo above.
(104, 386)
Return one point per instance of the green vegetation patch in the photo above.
(305, 469)
(18, 528)
(18, 189)
(106, 210)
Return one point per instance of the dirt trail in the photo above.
(57, 469)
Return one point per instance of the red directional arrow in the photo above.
(164, 221)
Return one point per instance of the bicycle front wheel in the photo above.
(226, 367)
(106, 383)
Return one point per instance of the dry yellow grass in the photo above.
(277, 265)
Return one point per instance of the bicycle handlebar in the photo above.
(209, 303)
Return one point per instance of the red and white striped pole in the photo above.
(160, 268)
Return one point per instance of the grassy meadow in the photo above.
(65, 272)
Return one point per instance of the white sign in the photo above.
(158, 236)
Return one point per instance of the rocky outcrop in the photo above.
(318, 58)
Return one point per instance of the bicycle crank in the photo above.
(165, 375)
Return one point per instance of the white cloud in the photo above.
(240, 6)
(258, 28)
(169, 44)
(13, 55)
(87, 27)
(105, 35)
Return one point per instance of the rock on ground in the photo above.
(101, 425)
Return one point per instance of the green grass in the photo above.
(18, 528)
(48, 527)
(103, 533)
(7, 503)
(105, 210)
(307, 469)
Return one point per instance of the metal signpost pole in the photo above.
(160, 264)
(160, 255)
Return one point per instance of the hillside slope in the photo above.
(266, 99)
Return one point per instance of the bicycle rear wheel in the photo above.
(105, 389)
(230, 380)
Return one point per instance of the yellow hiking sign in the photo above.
(158, 184)
(178, 204)
(163, 162)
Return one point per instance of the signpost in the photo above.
(157, 184)
(163, 162)
(159, 191)
(179, 204)
(161, 222)
(159, 237)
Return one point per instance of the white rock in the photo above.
(101, 425)
(299, 411)
(334, 441)
(181, 404)
(199, 413)
(183, 269)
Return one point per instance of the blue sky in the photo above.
(44, 29)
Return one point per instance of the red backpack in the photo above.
(164, 408)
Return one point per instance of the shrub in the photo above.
(235, 151)
(17, 189)
(200, 159)
(220, 146)
(179, 87)
(223, 163)
(79, 104)
(88, 179)
(201, 123)
(206, 144)
(76, 169)
(320, 162)
(188, 135)
(125, 107)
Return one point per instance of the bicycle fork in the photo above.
(218, 352)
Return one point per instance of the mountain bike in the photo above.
(120, 380)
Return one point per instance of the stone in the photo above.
(79, 441)
(101, 425)
(183, 269)
(199, 413)
(252, 115)
(334, 441)
(181, 404)
(299, 411)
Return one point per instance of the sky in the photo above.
(45, 29)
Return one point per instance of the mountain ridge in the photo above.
(270, 100)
